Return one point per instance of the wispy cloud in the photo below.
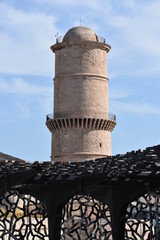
(115, 93)
(21, 87)
(140, 28)
(23, 109)
(25, 97)
(25, 39)
(135, 108)
(130, 26)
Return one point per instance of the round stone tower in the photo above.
(81, 124)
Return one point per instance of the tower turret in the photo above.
(81, 125)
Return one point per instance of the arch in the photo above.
(22, 217)
(83, 217)
(143, 217)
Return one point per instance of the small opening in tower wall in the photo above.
(100, 144)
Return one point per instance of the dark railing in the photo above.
(108, 116)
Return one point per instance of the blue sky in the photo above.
(28, 29)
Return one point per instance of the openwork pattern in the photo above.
(22, 217)
(85, 218)
(143, 218)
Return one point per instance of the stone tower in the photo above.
(81, 125)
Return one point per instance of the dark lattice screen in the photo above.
(143, 218)
(86, 218)
(22, 217)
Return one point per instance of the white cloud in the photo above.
(21, 87)
(115, 93)
(91, 4)
(134, 37)
(25, 40)
(130, 26)
(25, 97)
(24, 110)
(135, 108)
(130, 4)
(139, 26)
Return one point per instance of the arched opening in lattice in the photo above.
(22, 217)
(143, 218)
(83, 217)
